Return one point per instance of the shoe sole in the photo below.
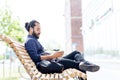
(91, 68)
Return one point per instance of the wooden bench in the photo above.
(31, 69)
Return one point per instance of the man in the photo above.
(37, 54)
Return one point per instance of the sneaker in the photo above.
(87, 66)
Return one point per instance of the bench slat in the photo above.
(43, 76)
(56, 76)
(17, 45)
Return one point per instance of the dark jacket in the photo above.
(34, 48)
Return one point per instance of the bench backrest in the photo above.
(30, 67)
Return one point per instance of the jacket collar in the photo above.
(31, 36)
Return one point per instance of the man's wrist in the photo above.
(51, 56)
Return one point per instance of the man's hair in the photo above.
(30, 24)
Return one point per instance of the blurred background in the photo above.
(90, 26)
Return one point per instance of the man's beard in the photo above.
(36, 35)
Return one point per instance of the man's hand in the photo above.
(52, 56)
(57, 54)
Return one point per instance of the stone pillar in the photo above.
(76, 24)
(73, 20)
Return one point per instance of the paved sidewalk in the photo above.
(109, 69)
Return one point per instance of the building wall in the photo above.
(101, 26)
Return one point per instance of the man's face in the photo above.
(36, 30)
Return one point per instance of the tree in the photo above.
(10, 26)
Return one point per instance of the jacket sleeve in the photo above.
(32, 51)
